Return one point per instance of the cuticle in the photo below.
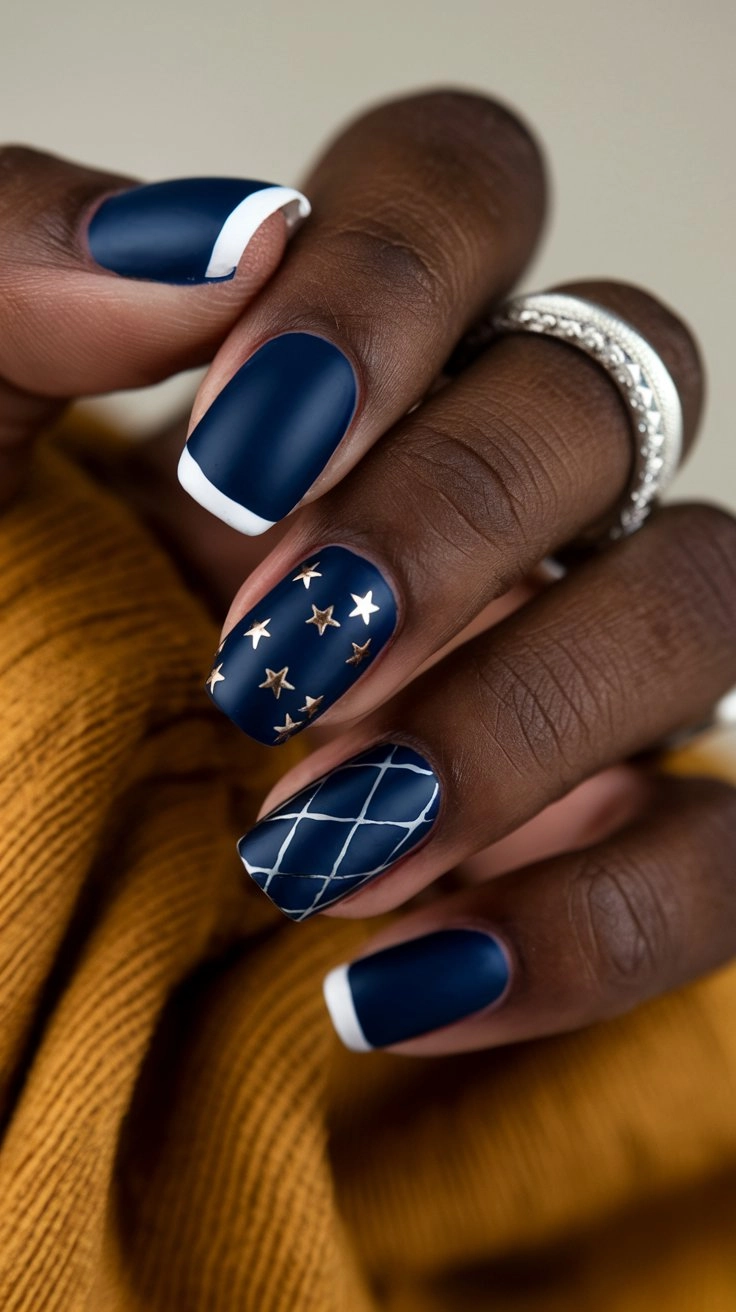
(85, 221)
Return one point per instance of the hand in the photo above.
(421, 508)
(398, 603)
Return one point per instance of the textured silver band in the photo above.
(641, 377)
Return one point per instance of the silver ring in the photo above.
(641, 377)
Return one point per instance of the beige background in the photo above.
(636, 103)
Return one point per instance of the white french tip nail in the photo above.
(243, 222)
(196, 483)
(339, 1000)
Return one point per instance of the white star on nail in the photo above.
(214, 678)
(359, 653)
(306, 574)
(311, 705)
(286, 729)
(322, 619)
(364, 607)
(258, 631)
(276, 681)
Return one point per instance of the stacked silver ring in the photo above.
(639, 373)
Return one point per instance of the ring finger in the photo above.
(516, 718)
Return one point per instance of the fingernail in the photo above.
(190, 230)
(304, 645)
(270, 431)
(416, 987)
(343, 830)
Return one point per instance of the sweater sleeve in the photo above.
(180, 1131)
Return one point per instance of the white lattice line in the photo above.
(421, 820)
(305, 812)
(375, 765)
(276, 869)
(341, 854)
(357, 822)
(336, 819)
(366, 875)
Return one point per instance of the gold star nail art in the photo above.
(286, 729)
(323, 619)
(258, 631)
(306, 574)
(359, 653)
(214, 678)
(364, 607)
(311, 706)
(276, 681)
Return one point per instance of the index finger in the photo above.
(425, 211)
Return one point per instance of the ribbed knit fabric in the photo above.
(181, 1131)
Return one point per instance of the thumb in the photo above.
(105, 285)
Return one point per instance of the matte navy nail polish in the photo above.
(303, 645)
(342, 830)
(190, 230)
(270, 431)
(415, 987)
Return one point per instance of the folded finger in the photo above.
(425, 211)
(594, 810)
(454, 507)
(629, 648)
(558, 945)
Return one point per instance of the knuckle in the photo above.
(41, 199)
(480, 485)
(468, 126)
(625, 927)
(545, 707)
(381, 250)
(21, 172)
(16, 159)
(457, 170)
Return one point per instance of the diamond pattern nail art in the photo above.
(342, 830)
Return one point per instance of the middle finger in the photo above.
(453, 508)
(424, 212)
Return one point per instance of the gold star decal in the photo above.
(323, 619)
(214, 677)
(364, 607)
(306, 574)
(311, 706)
(286, 729)
(258, 631)
(359, 653)
(276, 681)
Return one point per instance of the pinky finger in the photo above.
(558, 945)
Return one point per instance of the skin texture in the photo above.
(532, 702)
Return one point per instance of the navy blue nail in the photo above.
(342, 830)
(190, 230)
(270, 431)
(416, 987)
(304, 645)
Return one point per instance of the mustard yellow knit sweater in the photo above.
(180, 1130)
